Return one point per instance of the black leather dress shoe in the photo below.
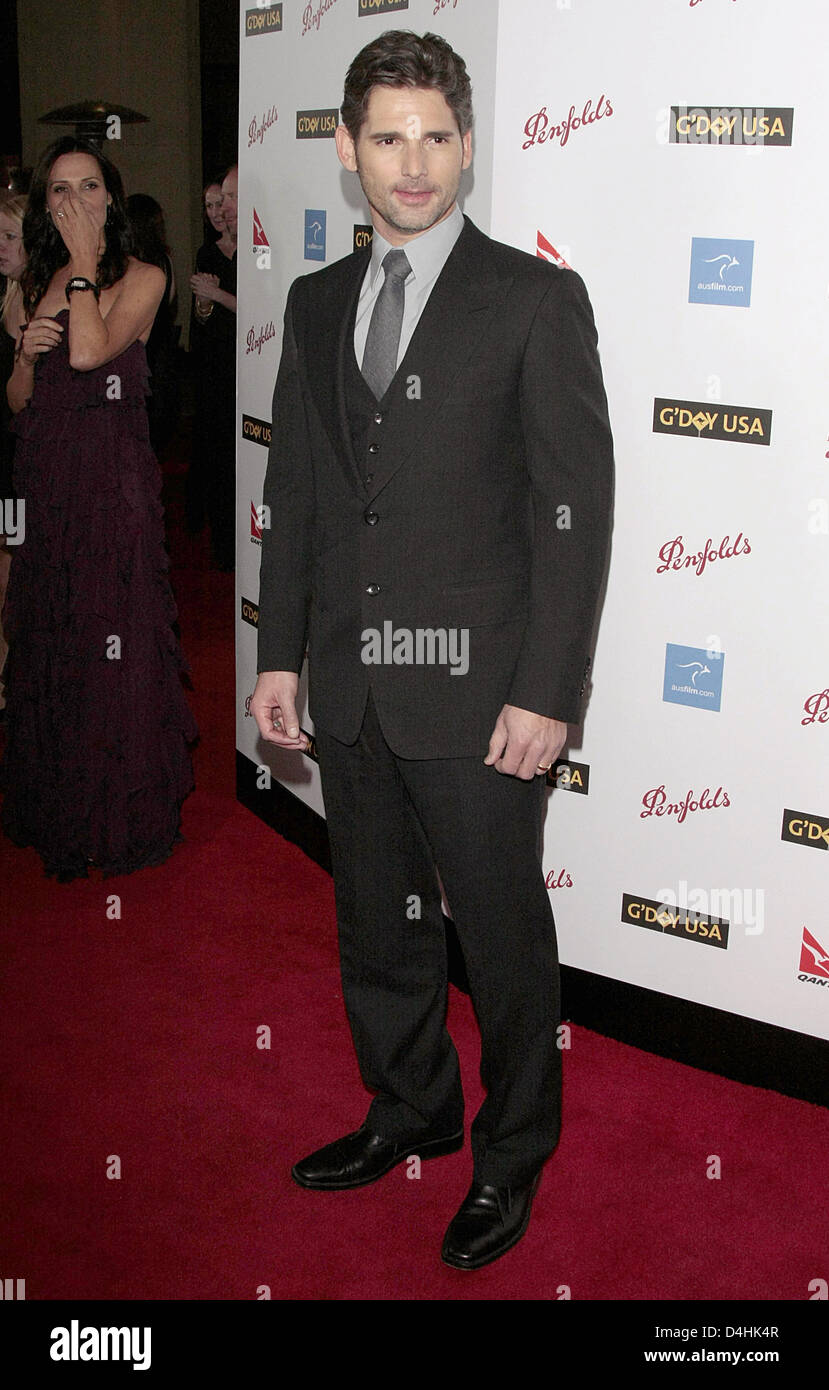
(363, 1157)
(489, 1221)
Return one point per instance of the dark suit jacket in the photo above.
(488, 507)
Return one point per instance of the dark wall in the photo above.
(219, 25)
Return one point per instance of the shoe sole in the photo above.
(502, 1250)
(435, 1148)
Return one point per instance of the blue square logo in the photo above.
(721, 271)
(693, 676)
(314, 234)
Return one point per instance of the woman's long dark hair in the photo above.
(44, 244)
(149, 235)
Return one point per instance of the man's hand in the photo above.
(524, 744)
(273, 706)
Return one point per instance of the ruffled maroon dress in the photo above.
(97, 763)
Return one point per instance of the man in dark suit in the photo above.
(439, 485)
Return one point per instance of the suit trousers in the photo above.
(392, 822)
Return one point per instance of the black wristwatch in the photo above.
(80, 282)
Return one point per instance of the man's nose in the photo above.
(414, 163)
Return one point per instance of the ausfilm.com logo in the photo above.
(721, 271)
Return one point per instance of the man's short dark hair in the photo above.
(400, 58)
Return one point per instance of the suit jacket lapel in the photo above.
(330, 322)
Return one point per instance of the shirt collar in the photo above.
(427, 253)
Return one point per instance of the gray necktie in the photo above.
(383, 341)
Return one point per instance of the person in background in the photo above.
(213, 217)
(215, 236)
(150, 245)
(96, 764)
(213, 345)
(12, 265)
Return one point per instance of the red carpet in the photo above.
(136, 1037)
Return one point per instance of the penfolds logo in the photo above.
(255, 341)
(816, 708)
(558, 880)
(675, 556)
(539, 127)
(312, 15)
(692, 3)
(257, 130)
(656, 803)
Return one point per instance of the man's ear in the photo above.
(346, 149)
(467, 150)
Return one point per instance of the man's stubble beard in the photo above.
(390, 214)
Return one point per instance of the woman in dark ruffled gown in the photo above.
(97, 764)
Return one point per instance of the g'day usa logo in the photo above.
(721, 271)
(570, 777)
(250, 612)
(363, 236)
(265, 19)
(317, 125)
(366, 7)
(731, 125)
(675, 921)
(805, 828)
(693, 676)
(739, 424)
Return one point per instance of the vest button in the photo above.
(371, 518)
(378, 419)
(369, 477)
(374, 448)
(372, 588)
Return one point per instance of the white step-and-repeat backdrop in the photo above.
(674, 153)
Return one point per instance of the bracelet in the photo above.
(203, 313)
